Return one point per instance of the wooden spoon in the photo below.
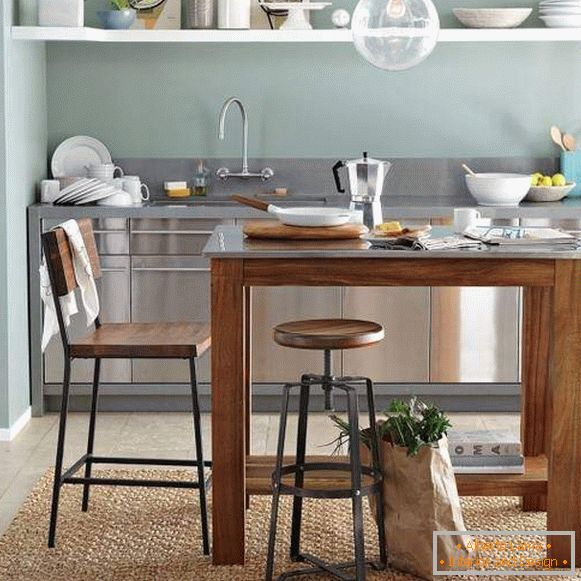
(569, 142)
(557, 137)
(468, 170)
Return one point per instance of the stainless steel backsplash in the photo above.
(409, 177)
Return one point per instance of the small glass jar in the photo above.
(201, 178)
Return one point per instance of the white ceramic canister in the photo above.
(234, 14)
(61, 13)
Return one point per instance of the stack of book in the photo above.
(485, 452)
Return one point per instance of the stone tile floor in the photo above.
(24, 460)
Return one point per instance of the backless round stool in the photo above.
(327, 335)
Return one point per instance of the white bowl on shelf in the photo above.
(492, 17)
(498, 189)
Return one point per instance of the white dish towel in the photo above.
(85, 280)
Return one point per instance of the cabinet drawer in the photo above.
(114, 301)
(171, 236)
(111, 234)
(169, 289)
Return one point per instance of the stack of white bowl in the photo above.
(560, 13)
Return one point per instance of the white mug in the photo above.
(104, 171)
(465, 218)
(49, 191)
(139, 192)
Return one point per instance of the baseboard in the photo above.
(8, 434)
(266, 397)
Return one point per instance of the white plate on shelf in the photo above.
(72, 157)
(562, 21)
(79, 189)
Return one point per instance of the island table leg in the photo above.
(564, 486)
(535, 417)
(228, 412)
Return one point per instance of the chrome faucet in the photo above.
(224, 173)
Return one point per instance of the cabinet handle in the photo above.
(194, 232)
(109, 231)
(170, 269)
(114, 269)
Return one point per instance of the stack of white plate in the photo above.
(85, 191)
(560, 13)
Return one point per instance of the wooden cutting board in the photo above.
(274, 230)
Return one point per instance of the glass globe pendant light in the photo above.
(395, 34)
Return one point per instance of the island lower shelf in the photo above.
(532, 482)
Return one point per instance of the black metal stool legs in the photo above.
(91, 438)
(353, 414)
(59, 453)
(355, 492)
(375, 444)
(199, 457)
(276, 479)
(87, 460)
(300, 475)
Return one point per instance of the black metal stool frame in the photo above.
(88, 459)
(354, 466)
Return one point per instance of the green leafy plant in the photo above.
(411, 425)
(120, 4)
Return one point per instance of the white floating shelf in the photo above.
(62, 34)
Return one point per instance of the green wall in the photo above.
(314, 100)
(23, 152)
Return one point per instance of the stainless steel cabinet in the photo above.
(171, 236)
(475, 334)
(114, 289)
(172, 289)
(275, 305)
(111, 234)
(404, 354)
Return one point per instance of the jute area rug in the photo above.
(154, 534)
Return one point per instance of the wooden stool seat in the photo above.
(144, 340)
(329, 334)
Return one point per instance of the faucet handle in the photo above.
(266, 174)
(223, 173)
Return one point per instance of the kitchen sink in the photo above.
(288, 201)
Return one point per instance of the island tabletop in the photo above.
(551, 373)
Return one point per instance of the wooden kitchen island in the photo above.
(551, 370)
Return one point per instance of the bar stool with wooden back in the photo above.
(327, 335)
(118, 340)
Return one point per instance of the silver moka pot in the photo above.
(366, 177)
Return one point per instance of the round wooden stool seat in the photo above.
(328, 334)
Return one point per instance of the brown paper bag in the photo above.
(420, 496)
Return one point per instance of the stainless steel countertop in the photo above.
(394, 206)
(230, 242)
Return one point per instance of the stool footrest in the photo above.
(68, 476)
(321, 566)
(303, 492)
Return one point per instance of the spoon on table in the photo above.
(468, 170)
(557, 137)
(569, 142)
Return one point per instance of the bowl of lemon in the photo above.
(546, 188)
